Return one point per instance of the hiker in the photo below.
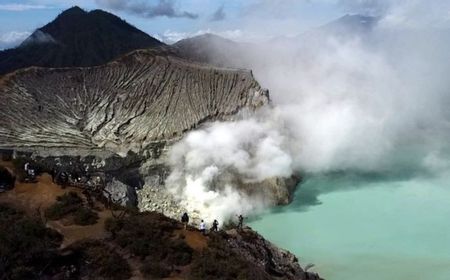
(55, 173)
(62, 178)
(241, 222)
(215, 226)
(185, 220)
(26, 167)
(30, 174)
(203, 227)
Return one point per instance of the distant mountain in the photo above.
(212, 49)
(350, 24)
(218, 51)
(77, 38)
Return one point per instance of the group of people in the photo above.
(215, 224)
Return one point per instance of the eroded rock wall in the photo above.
(129, 104)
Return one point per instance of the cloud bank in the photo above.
(12, 39)
(170, 36)
(144, 9)
(16, 7)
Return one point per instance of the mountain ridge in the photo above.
(77, 38)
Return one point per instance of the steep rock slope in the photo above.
(145, 97)
(77, 38)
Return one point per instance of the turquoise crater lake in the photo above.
(365, 228)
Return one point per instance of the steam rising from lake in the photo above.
(370, 99)
(209, 163)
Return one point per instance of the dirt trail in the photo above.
(34, 198)
(194, 239)
(73, 233)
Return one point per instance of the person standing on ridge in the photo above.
(203, 227)
(241, 222)
(215, 226)
(185, 220)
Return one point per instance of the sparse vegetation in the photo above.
(29, 250)
(27, 247)
(150, 236)
(71, 204)
(218, 261)
(155, 269)
(65, 204)
(85, 216)
(101, 261)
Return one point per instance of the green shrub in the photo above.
(113, 225)
(71, 204)
(55, 212)
(219, 261)
(155, 269)
(179, 253)
(70, 199)
(84, 216)
(101, 261)
(150, 236)
(27, 247)
(68, 203)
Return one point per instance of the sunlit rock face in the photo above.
(126, 105)
(134, 107)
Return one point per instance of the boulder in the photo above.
(274, 190)
(120, 193)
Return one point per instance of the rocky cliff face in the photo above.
(129, 104)
(279, 263)
(135, 107)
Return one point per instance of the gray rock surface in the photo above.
(274, 190)
(144, 97)
(136, 106)
(120, 193)
(280, 263)
(156, 198)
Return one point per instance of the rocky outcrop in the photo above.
(120, 193)
(275, 190)
(279, 263)
(144, 98)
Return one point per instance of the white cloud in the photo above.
(144, 9)
(239, 35)
(15, 7)
(12, 38)
(402, 13)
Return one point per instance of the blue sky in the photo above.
(239, 20)
(242, 20)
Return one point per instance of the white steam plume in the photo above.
(374, 100)
(209, 163)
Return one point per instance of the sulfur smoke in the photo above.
(366, 98)
(210, 164)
